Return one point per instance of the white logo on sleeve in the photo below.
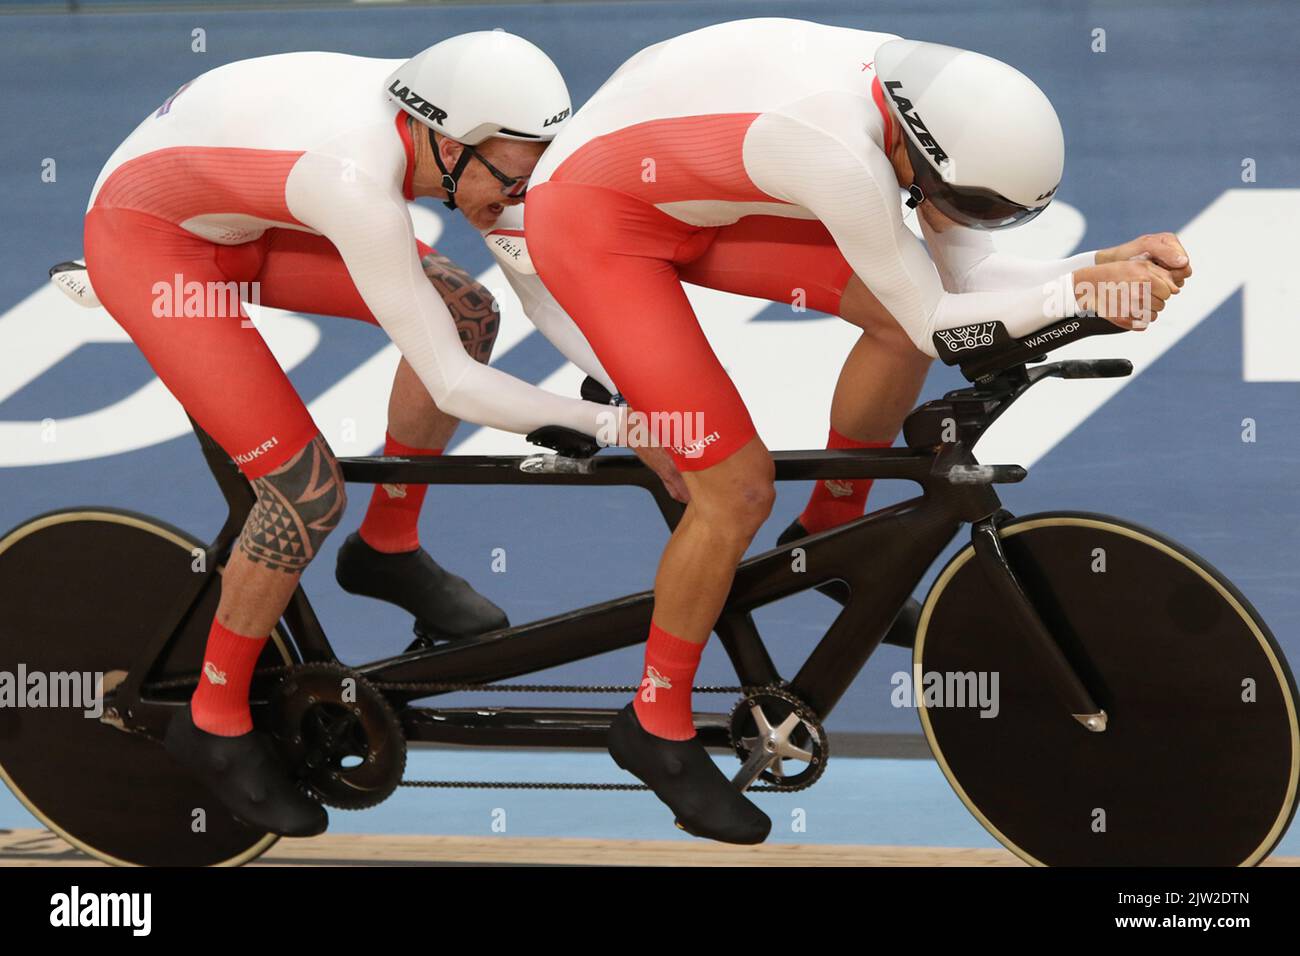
(966, 337)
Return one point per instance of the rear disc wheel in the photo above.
(84, 592)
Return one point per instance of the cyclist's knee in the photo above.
(737, 518)
(736, 501)
(754, 500)
(298, 505)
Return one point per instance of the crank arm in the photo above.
(759, 760)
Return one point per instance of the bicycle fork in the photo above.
(1040, 644)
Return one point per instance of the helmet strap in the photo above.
(915, 196)
(450, 178)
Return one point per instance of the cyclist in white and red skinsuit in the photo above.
(762, 157)
(293, 172)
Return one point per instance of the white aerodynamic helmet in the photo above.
(479, 85)
(985, 144)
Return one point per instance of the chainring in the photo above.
(338, 734)
(808, 735)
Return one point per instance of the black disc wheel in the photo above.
(84, 592)
(1198, 761)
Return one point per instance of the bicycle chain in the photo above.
(446, 687)
(435, 687)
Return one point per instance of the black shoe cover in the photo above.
(247, 775)
(444, 606)
(902, 633)
(683, 776)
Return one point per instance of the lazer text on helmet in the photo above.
(922, 134)
(417, 102)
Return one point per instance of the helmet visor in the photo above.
(967, 206)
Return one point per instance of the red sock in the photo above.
(220, 705)
(836, 501)
(663, 702)
(392, 520)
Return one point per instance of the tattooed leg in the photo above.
(413, 418)
(298, 504)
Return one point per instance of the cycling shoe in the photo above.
(683, 776)
(247, 775)
(445, 606)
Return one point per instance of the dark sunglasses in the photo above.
(513, 187)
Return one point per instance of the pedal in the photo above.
(427, 640)
(422, 642)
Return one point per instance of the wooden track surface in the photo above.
(42, 848)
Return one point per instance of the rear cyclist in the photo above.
(305, 192)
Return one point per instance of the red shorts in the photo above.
(218, 366)
(616, 264)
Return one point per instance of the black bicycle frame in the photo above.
(881, 556)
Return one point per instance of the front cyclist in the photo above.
(294, 172)
(765, 157)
